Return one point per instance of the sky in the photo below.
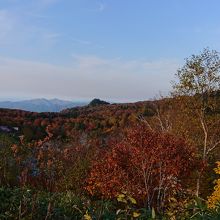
(115, 50)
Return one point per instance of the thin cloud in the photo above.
(16, 29)
(111, 79)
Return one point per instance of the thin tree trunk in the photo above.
(198, 185)
(204, 155)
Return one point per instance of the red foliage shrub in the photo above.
(147, 165)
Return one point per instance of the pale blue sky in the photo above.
(112, 49)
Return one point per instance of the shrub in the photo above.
(147, 165)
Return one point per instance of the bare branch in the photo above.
(213, 147)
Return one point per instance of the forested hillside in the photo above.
(144, 160)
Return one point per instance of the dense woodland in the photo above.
(145, 160)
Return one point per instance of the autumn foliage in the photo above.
(149, 166)
(214, 199)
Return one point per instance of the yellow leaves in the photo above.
(136, 214)
(217, 169)
(215, 197)
(129, 205)
(125, 198)
(121, 198)
(87, 216)
(132, 200)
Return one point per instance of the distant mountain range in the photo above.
(40, 105)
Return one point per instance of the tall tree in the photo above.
(197, 84)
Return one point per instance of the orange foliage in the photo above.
(147, 165)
